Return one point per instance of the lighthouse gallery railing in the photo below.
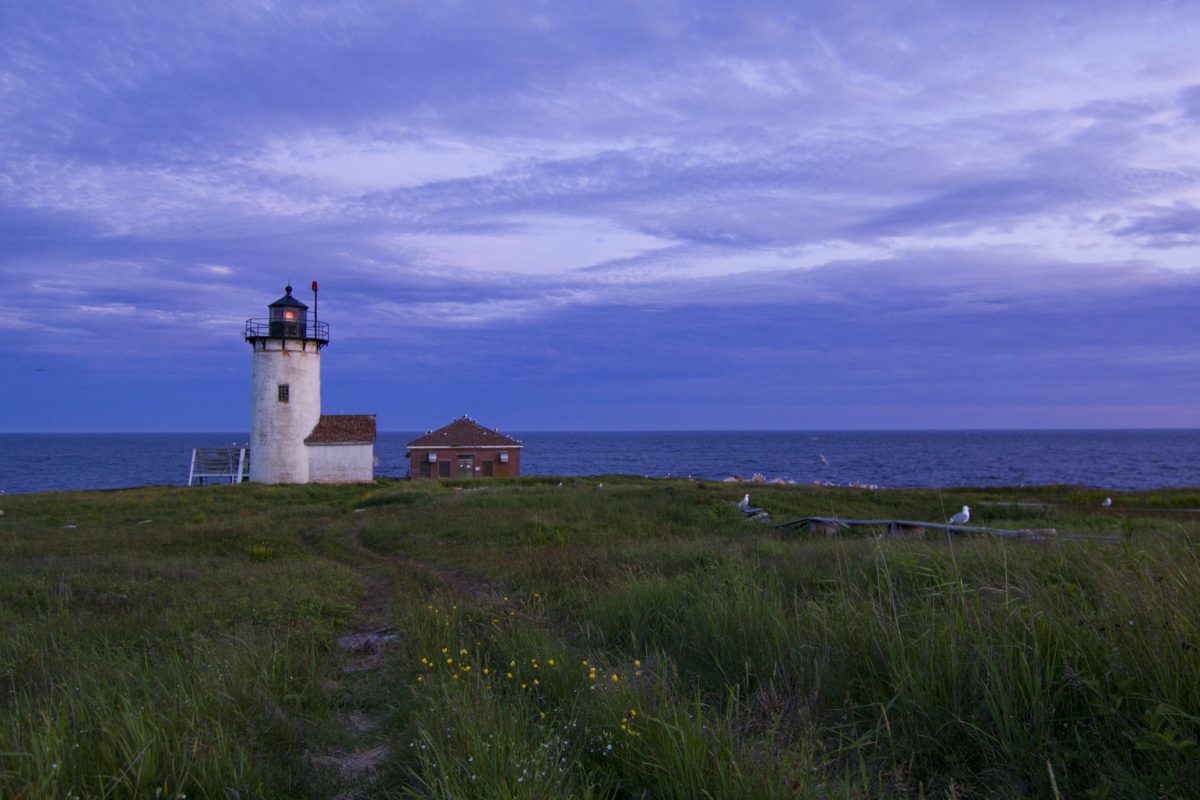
(286, 329)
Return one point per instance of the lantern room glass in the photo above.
(289, 321)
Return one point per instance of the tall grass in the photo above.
(981, 668)
(497, 707)
(643, 640)
(148, 654)
(972, 671)
(186, 718)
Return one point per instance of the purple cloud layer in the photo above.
(581, 216)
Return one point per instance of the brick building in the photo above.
(464, 449)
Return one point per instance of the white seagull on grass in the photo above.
(1107, 502)
(962, 517)
(744, 503)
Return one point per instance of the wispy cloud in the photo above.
(1177, 226)
(630, 208)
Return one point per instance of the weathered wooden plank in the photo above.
(831, 525)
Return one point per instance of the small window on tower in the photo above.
(284, 392)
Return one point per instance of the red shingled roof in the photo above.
(343, 428)
(464, 432)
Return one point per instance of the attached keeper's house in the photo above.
(464, 449)
(341, 449)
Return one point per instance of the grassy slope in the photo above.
(640, 640)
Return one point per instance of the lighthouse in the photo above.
(285, 398)
(290, 440)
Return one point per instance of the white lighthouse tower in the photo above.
(285, 401)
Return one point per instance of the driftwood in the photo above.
(832, 526)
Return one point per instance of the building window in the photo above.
(284, 392)
(443, 469)
(487, 469)
(426, 472)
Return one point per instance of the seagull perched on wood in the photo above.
(962, 517)
(1107, 502)
(744, 503)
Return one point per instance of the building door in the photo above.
(487, 469)
(466, 466)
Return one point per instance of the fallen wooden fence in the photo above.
(901, 527)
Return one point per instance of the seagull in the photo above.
(745, 502)
(599, 485)
(1107, 502)
(962, 517)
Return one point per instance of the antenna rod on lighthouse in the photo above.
(314, 306)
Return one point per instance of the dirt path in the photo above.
(356, 768)
(459, 585)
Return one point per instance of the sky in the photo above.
(605, 216)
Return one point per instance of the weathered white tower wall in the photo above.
(278, 426)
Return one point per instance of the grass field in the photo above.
(640, 640)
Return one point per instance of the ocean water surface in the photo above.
(1108, 459)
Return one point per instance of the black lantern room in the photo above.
(289, 320)
(289, 317)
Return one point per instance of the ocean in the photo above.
(1108, 459)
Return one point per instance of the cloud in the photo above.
(1190, 100)
(701, 201)
(1177, 226)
